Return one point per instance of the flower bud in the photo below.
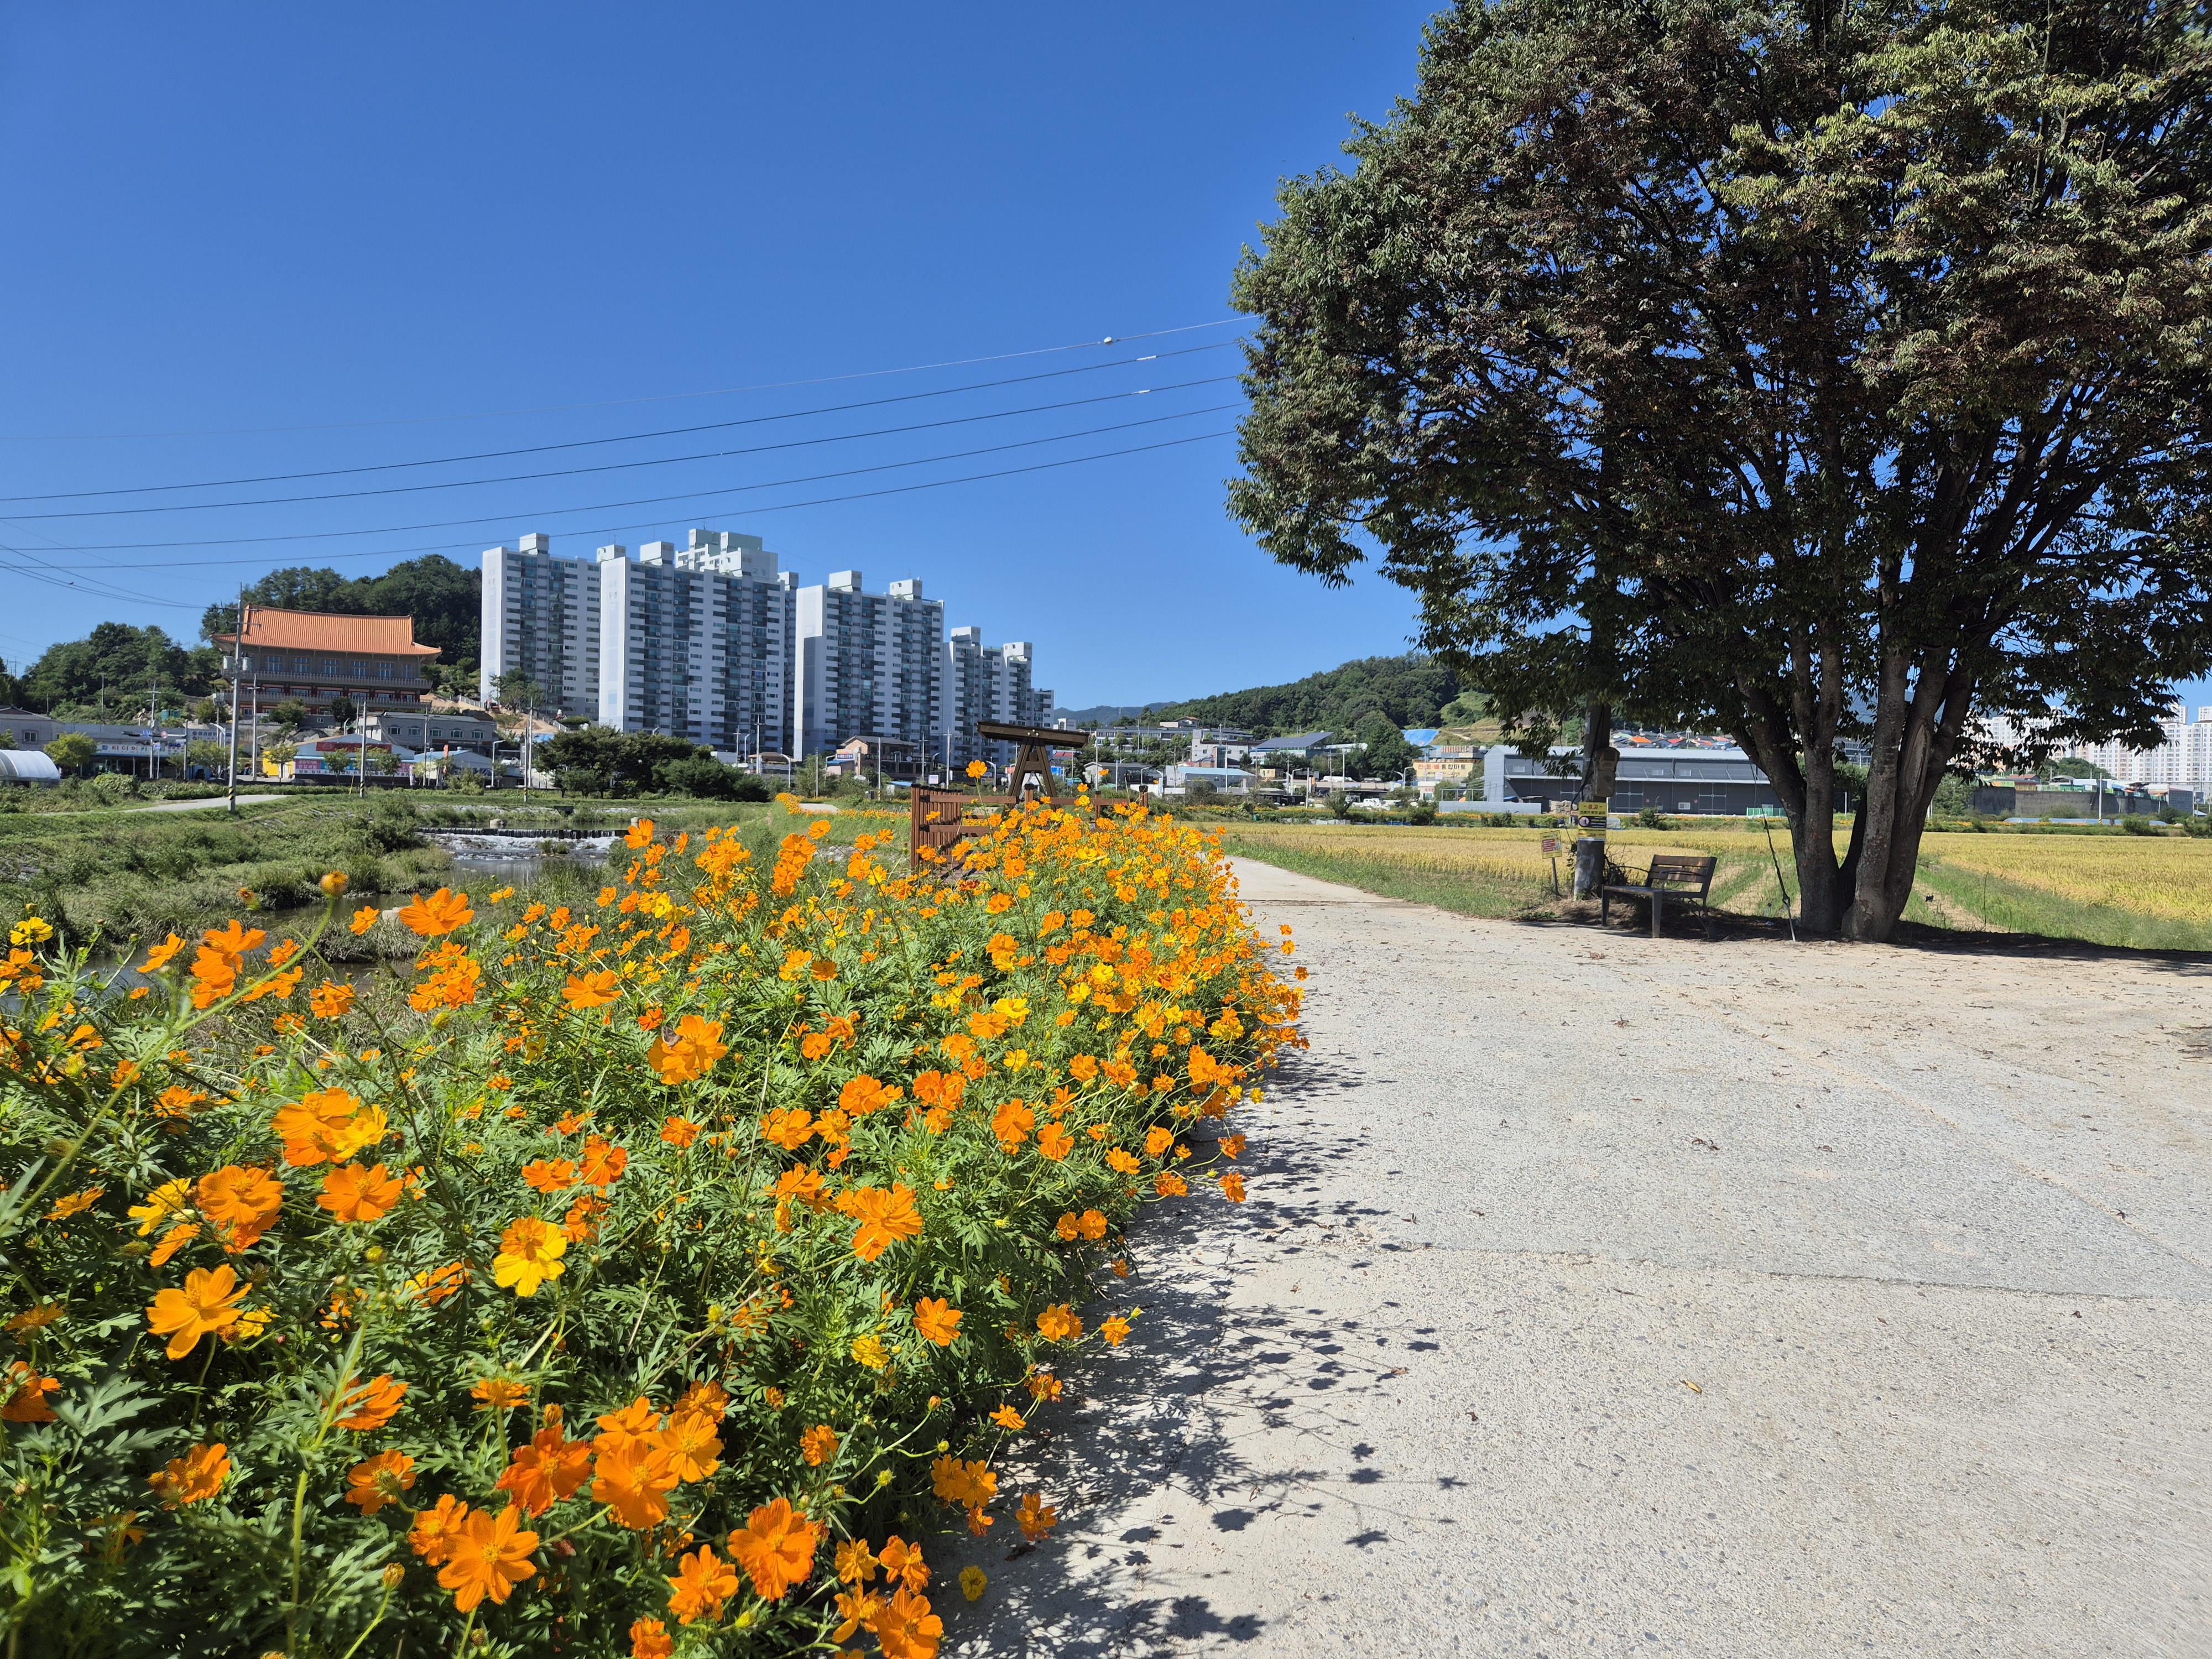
(335, 883)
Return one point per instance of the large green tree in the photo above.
(1822, 372)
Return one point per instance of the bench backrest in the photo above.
(1682, 869)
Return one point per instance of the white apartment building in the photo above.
(697, 641)
(541, 618)
(2183, 760)
(868, 664)
(985, 683)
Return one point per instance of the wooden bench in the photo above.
(1686, 878)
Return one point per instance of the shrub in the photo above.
(2135, 823)
(686, 1257)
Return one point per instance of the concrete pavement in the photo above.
(1604, 1296)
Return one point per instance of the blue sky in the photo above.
(305, 238)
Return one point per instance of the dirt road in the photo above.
(1601, 1296)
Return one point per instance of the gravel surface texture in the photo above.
(1599, 1295)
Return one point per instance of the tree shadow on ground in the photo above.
(1140, 1456)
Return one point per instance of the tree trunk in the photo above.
(1601, 761)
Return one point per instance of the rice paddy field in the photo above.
(2150, 892)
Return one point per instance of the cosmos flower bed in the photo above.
(659, 1278)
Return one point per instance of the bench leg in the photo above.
(1657, 906)
(1604, 908)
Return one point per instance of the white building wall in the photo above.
(2184, 759)
(697, 642)
(540, 616)
(868, 664)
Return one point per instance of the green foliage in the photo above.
(1866, 429)
(628, 761)
(705, 778)
(120, 665)
(73, 751)
(1404, 690)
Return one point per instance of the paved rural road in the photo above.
(1599, 1296)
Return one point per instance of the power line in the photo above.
(782, 507)
(601, 506)
(581, 471)
(611, 403)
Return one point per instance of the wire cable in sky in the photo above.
(608, 466)
(613, 403)
(782, 507)
(642, 500)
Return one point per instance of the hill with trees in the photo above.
(1407, 690)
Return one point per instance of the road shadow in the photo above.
(1140, 1455)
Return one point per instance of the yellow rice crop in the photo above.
(2169, 878)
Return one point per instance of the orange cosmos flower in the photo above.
(937, 1320)
(1007, 1417)
(640, 835)
(549, 1176)
(775, 1547)
(27, 1395)
(1169, 1184)
(1232, 1145)
(549, 1469)
(1122, 1162)
(330, 1001)
(819, 1444)
(692, 1054)
(1012, 1124)
(435, 1529)
(1083, 1067)
(594, 990)
(703, 1582)
(530, 1253)
(906, 1629)
(863, 1095)
(694, 1448)
(633, 1478)
(242, 1203)
(787, 1126)
(679, 1132)
(967, 1482)
(369, 1406)
(354, 1194)
(901, 1562)
(885, 1217)
(1091, 1223)
(75, 1204)
(1054, 1142)
(1232, 1187)
(209, 1302)
(441, 914)
(1058, 1323)
(498, 1394)
(194, 1478)
(326, 1126)
(375, 1481)
(158, 956)
(636, 1421)
(1113, 1330)
(603, 1162)
(363, 920)
(489, 1556)
(1037, 1519)
(711, 1398)
(649, 1639)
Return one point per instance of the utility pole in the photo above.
(237, 673)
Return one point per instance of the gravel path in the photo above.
(1599, 1296)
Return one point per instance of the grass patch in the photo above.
(2006, 906)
